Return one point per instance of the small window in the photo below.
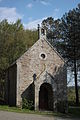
(43, 56)
(43, 31)
(34, 76)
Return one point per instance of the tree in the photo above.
(14, 41)
(70, 33)
(64, 35)
(53, 33)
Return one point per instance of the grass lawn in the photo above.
(19, 110)
(73, 111)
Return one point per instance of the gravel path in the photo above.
(21, 116)
(4, 115)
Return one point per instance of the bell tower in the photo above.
(41, 32)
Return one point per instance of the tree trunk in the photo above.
(76, 84)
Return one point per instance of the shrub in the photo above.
(72, 103)
(27, 104)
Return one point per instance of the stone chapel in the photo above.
(39, 75)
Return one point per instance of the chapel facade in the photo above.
(39, 75)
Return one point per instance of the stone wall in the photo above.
(50, 70)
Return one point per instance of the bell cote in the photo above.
(41, 32)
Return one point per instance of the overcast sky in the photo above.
(32, 12)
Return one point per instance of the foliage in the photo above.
(71, 96)
(14, 41)
(65, 37)
(27, 104)
(70, 31)
(74, 111)
(52, 27)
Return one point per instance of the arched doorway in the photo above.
(46, 97)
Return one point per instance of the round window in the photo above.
(43, 56)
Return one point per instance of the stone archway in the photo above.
(46, 97)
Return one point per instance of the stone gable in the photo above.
(41, 77)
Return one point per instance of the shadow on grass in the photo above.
(74, 112)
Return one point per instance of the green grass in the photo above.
(72, 96)
(19, 110)
(73, 111)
